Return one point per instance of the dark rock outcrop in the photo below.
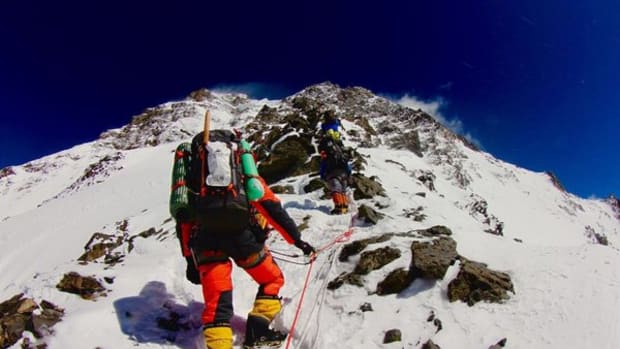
(475, 283)
(555, 180)
(395, 282)
(105, 245)
(315, 184)
(428, 179)
(357, 246)
(286, 159)
(112, 248)
(7, 171)
(369, 261)
(365, 188)
(437, 230)
(86, 287)
(368, 214)
(19, 314)
(409, 141)
(375, 259)
(345, 278)
(435, 321)
(430, 345)
(415, 213)
(499, 345)
(430, 260)
(366, 307)
(201, 95)
(283, 189)
(393, 335)
(595, 237)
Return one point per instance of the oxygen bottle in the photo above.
(179, 193)
(253, 187)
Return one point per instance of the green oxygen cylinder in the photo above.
(179, 192)
(253, 187)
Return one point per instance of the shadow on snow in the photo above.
(153, 316)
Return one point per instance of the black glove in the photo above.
(191, 273)
(305, 247)
(260, 234)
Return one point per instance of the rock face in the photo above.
(19, 314)
(111, 249)
(409, 141)
(373, 260)
(396, 282)
(315, 184)
(286, 159)
(430, 345)
(357, 246)
(365, 188)
(437, 230)
(368, 214)
(393, 335)
(369, 261)
(430, 260)
(7, 171)
(555, 180)
(475, 283)
(105, 245)
(86, 287)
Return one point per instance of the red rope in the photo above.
(301, 300)
(340, 238)
(345, 236)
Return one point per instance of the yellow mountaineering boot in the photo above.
(257, 332)
(220, 337)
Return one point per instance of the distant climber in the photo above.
(335, 168)
(223, 210)
(331, 122)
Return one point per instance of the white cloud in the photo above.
(434, 108)
(414, 102)
(253, 89)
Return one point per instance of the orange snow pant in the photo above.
(216, 281)
(340, 200)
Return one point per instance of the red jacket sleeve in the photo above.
(271, 208)
(184, 230)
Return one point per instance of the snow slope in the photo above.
(566, 285)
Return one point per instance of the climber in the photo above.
(335, 168)
(226, 215)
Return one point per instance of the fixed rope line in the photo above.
(345, 236)
(291, 255)
(291, 261)
(301, 300)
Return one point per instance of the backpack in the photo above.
(335, 156)
(217, 197)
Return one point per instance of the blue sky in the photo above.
(534, 82)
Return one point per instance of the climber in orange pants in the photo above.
(209, 254)
(335, 168)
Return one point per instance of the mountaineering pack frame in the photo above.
(216, 187)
